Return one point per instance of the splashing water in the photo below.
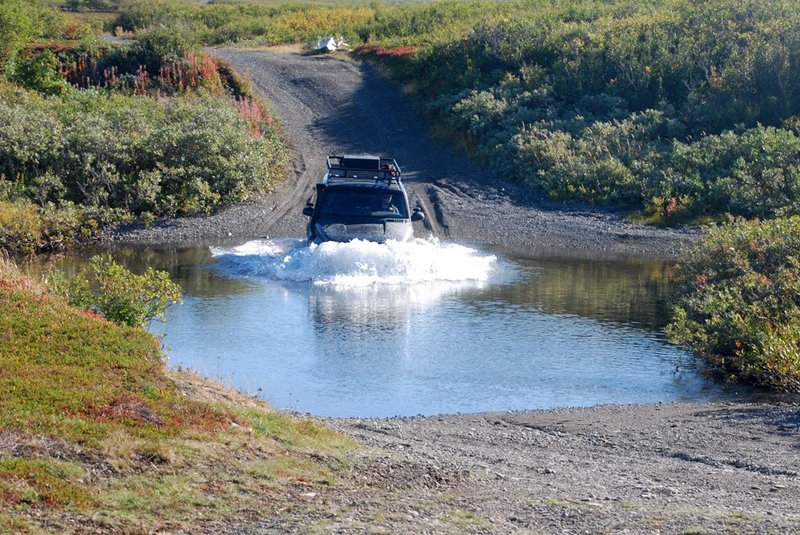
(358, 263)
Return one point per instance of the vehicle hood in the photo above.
(377, 231)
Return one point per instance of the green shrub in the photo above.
(23, 22)
(738, 301)
(40, 73)
(28, 228)
(16, 27)
(170, 42)
(125, 298)
(141, 14)
(98, 155)
(21, 227)
(676, 107)
(683, 110)
(106, 151)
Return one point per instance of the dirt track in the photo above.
(683, 468)
(337, 105)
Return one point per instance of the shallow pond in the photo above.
(363, 329)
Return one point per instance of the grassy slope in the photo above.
(95, 431)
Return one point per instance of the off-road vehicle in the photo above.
(361, 197)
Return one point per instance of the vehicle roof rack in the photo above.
(364, 167)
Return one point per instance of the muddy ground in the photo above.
(678, 468)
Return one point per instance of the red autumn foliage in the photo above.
(255, 114)
(197, 416)
(174, 77)
(9, 497)
(94, 315)
(126, 407)
(392, 52)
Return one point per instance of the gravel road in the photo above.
(677, 468)
(672, 468)
(338, 105)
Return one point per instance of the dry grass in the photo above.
(11, 275)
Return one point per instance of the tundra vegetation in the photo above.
(95, 434)
(675, 110)
(740, 301)
(92, 133)
(682, 111)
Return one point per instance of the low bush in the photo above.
(17, 25)
(164, 61)
(163, 43)
(22, 22)
(738, 301)
(27, 228)
(21, 227)
(40, 73)
(679, 108)
(108, 151)
(106, 287)
(154, 129)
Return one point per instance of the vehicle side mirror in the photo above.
(417, 215)
(308, 210)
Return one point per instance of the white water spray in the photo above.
(358, 264)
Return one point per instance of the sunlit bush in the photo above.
(739, 301)
(28, 228)
(20, 227)
(106, 287)
(170, 42)
(16, 27)
(165, 157)
(753, 173)
(674, 107)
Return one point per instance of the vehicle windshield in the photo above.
(362, 202)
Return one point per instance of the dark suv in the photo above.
(361, 197)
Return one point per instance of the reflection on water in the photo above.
(185, 265)
(634, 292)
(378, 307)
(329, 331)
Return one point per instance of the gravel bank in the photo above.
(672, 468)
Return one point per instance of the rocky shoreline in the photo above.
(665, 468)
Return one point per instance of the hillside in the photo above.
(97, 434)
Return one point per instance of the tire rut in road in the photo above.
(328, 105)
